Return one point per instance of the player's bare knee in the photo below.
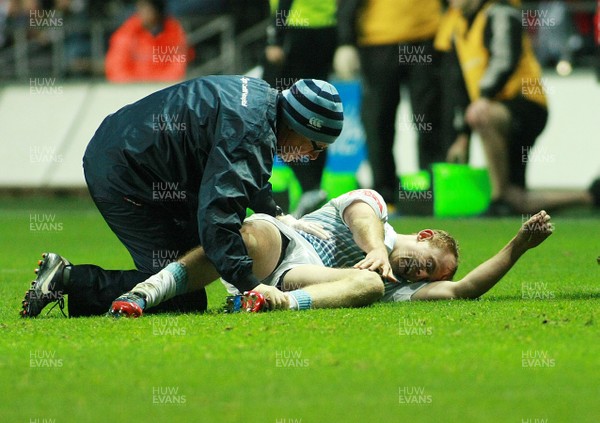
(374, 284)
(368, 285)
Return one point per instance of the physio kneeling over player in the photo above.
(178, 169)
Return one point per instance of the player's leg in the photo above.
(528, 121)
(261, 238)
(192, 272)
(492, 124)
(529, 202)
(91, 288)
(334, 288)
(154, 237)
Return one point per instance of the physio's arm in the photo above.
(481, 279)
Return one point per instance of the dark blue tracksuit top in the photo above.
(214, 137)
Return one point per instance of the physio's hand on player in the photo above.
(308, 227)
(459, 150)
(276, 299)
(535, 231)
(377, 260)
(346, 63)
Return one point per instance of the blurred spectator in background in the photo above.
(395, 45)
(17, 14)
(453, 94)
(301, 42)
(149, 46)
(505, 100)
(76, 20)
(557, 39)
(6, 9)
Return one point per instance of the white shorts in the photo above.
(298, 252)
(403, 291)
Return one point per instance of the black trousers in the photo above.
(308, 54)
(527, 121)
(385, 68)
(92, 289)
(154, 235)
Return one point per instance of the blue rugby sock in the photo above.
(180, 274)
(302, 298)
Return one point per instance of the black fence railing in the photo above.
(63, 49)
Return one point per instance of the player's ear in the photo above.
(424, 234)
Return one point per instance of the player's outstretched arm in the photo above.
(481, 279)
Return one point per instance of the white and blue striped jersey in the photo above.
(341, 250)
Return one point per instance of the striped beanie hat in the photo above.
(313, 108)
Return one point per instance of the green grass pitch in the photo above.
(528, 351)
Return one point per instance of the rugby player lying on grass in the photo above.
(363, 249)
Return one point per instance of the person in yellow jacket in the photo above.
(391, 41)
(505, 99)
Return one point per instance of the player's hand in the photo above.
(275, 54)
(345, 62)
(276, 299)
(535, 231)
(377, 260)
(459, 150)
(302, 225)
